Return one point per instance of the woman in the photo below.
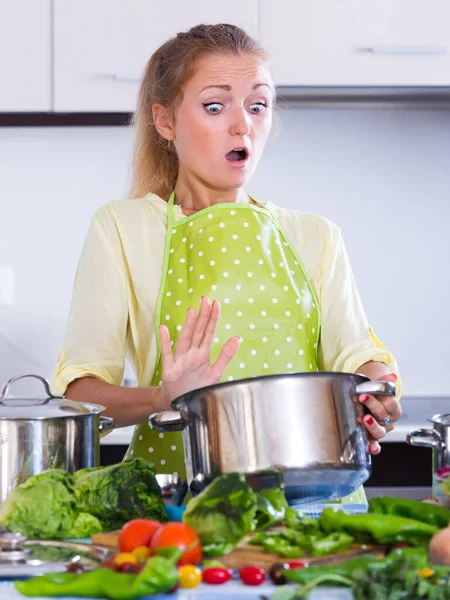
(192, 237)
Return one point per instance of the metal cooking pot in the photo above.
(438, 439)
(298, 429)
(46, 433)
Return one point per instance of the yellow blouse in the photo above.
(113, 310)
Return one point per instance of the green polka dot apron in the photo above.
(238, 255)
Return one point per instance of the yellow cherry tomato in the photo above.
(190, 576)
(125, 557)
(142, 553)
(426, 572)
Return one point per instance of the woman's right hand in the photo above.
(189, 368)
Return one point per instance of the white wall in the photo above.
(383, 176)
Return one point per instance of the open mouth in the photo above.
(237, 155)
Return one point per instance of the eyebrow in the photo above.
(227, 88)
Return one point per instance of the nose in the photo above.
(240, 123)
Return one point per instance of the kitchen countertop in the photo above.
(232, 590)
(416, 411)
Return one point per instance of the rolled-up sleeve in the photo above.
(95, 342)
(347, 340)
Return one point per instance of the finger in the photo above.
(392, 406)
(374, 406)
(211, 326)
(226, 355)
(389, 377)
(374, 429)
(166, 348)
(184, 339)
(202, 321)
(374, 448)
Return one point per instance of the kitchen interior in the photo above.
(361, 136)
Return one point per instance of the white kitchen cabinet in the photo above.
(25, 56)
(358, 42)
(101, 46)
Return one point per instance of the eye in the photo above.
(213, 107)
(258, 107)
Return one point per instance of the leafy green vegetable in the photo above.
(400, 578)
(84, 526)
(291, 543)
(426, 512)
(213, 550)
(41, 508)
(57, 505)
(271, 508)
(382, 529)
(158, 576)
(224, 512)
(119, 493)
(299, 522)
(404, 574)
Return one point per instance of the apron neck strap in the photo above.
(170, 211)
(171, 202)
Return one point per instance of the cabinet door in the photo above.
(358, 42)
(102, 46)
(25, 56)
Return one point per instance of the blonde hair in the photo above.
(155, 162)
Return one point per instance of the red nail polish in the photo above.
(394, 376)
(365, 398)
(370, 421)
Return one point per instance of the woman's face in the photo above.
(224, 119)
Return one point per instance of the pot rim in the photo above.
(92, 410)
(438, 418)
(357, 377)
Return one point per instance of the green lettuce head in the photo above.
(223, 513)
(41, 508)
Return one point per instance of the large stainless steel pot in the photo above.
(300, 429)
(437, 438)
(43, 433)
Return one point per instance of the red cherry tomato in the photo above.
(251, 575)
(216, 575)
(297, 564)
(138, 532)
(182, 536)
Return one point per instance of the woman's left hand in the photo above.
(385, 411)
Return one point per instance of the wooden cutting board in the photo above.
(246, 554)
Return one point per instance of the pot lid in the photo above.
(44, 407)
(20, 557)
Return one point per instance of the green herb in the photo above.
(402, 575)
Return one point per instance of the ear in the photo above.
(163, 121)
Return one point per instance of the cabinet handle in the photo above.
(407, 50)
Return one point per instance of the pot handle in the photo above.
(167, 420)
(8, 384)
(376, 388)
(106, 424)
(424, 437)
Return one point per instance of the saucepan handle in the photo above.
(167, 420)
(376, 388)
(424, 437)
(105, 425)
